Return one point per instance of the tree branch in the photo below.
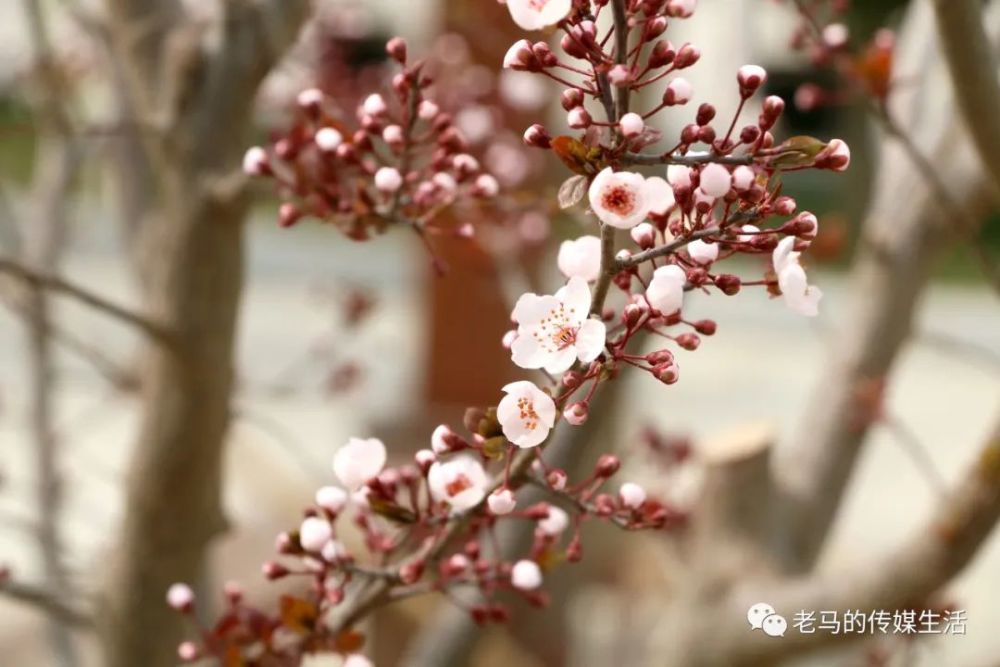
(59, 285)
(46, 601)
(688, 160)
(969, 56)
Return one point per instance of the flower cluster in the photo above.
(400, 161)
(714, 194)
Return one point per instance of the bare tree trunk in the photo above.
(193, 252)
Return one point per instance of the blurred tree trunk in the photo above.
(198, 105)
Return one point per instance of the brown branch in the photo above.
(59, 285)
(49, 602)
(690, 160)
(973, 66)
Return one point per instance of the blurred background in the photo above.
(339, 339)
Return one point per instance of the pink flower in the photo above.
(556, 330)
(526, 575)
(623, 199)
(577, 413)
(520, 56)
(703, 252)
(666, 290)
(314, 533)
(460, 481)
(632, 495)
(836, 156)
(501, 502)
(359, 461)
(537, 14)
(526, 414)
(750, 78)
(580, 258)
(715, 180)
(800, 296)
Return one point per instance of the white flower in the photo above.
(180, 597)
(331, 498)
(661, 195)
(556, 330)
(526, 575)
(622, 199)
(501, 502)
(632, 495)
(580, 258)
(555, 523)
(632, 124)
(715, 180)
(800, 296)
(328, 139)
(703, 252)
(526, 414)
(537, 14)
(460, 481)
(388, 179)
(666, 290)
(314, 533)
(359, 461)
(374, 105)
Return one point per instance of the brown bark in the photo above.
(192, 283)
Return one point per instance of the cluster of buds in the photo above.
(428, 526)
(425, 527)
(400, 161)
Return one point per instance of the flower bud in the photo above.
(749, 134)
(288, 214)
(607, 466)
(706, 134)
(374, 105)
(537, 136)
(310, 100)
(388, 180)
(750, 78)
(619, 75)
(188, 651)
(395, 48)
(689, 134)
(689, 341)
(256, 162)
(411, 572)
(644, 235)
(543, 52)
(572, 379)
(687, 56)
(784, 205)
(667, 373)
(705, 327)
(706, 112)
(427, 110)
(663, 53)
(579, 118)
(836, 156)
(679, 91)
(571, 98)
(631, 125)
(577, 413)
(521, 57)
(331, 498)
(180, 598)
(681, 9)
(556, 479)
(273, 570)
(486, 186)
(632, 495)
(501, 502)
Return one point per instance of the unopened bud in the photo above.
(396, 49)
(537, 136)
(607, 466)
(577, 413)
(689, 341)
(750, 78)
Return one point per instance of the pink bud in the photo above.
(427, 110)
(715, 180)
(556, 479)
(681, 9)
(501, 502)
(486, 186)
(607, 466)
(728, 283)
(537, 136)
(396, 49)
(571, 98)
(374, 105)
(619, 75)
(578, 118)
(687, 56)
(388, 179)
(331, 498)
(679, 91)
(667, 373)
(255, 162)
(288, 214)
(743, 178)
(632, 495)
(750, 78)
(393, 135)
(310, 99)
(836, 156)
(631, 125)
(180, 598)
(273, 570)
(188, 651)
(644, 235)
(576, 414)
(663, 53)
(520, 57)
(411, 572)
(688, 341)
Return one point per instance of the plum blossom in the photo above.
(623, 199)
(328, 139)
(632, 124)
(538, 14)
(679, 91)
(526, 414)
(632, 495)
(359, 461)
(743, 178)
(501, 502)
(556, 330)
(526, 575)
(388, 179)
(255, 161)
(580, 258)
(460, 481)
(800, 296)
(314, 533)
(703, 252)
(715, 180)
(555, 523)
(666, 289)
(661, 195)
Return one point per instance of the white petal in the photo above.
(581, 258)
(660, 195)
(561, 361)
(576, 297)
(359, 461)
(527, 353)
(590, 340)
(531, 308)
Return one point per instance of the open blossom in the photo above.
(359, 461)
(800, 296)
(526, 575)
(537, 14)
(580, 258)
(715, 180)
(666, 289)
(623, 199)
(460, 481)
(526, 414)
(556, 330)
